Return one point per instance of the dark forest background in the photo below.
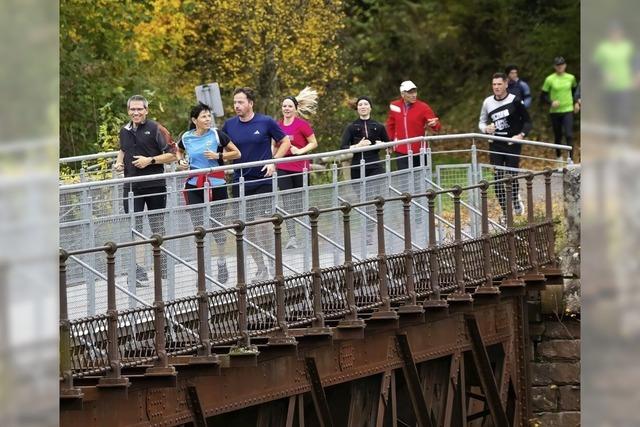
(163, 48)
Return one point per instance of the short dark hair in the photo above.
(138, 98)
(195, 113)
(510, 68)
(247, 91)
(502, 76)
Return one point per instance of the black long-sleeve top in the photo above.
(367, 129)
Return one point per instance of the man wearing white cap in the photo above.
(409, 117)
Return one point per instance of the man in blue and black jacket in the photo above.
(517, 86)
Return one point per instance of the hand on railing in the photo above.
(268, 169)
(183, 165)
(363, 143)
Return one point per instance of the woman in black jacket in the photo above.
(361, 133)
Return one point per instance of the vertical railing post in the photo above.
(89, 277)
(421, 189)
(281, 336)
(241, 286)
(66, 367)
(412, 171)
(461, 294)
(318, 313)
(114, 377)
(384, 313)
(305, 207)
(365, 220)
(208, 237)
(512, 279)
(172, 210)
(428, 177)
(411, 305)
(348, 262)
(533, 277)
(549, 217)
(162, 364)
(203, 303)
(434, 300)
(334, 200)
(487, 287)
(474, 199)
(533, 253)
(132, 268)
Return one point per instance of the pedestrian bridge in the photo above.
(374, 259)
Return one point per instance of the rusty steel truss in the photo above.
(423, 337)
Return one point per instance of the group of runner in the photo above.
(251, 137)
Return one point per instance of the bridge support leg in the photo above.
(384, 397)
(195, 406)
(317, 393)
(485, 373)
(456, 387)
(413, 382)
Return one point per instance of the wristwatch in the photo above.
(153, 160)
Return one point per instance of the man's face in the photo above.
(560, 68)
(410, 96)
(513, 75)
(499, 87)
(137, 112)
(242, 105)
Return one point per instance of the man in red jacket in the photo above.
(408, 117)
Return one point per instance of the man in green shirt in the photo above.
(619, 67)
(559, 91)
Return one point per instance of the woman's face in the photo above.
(204, 120)
(288, 108)
(364, 108)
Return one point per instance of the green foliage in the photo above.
(111, 50)
(450, 50)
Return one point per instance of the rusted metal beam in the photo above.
(394, 402)
(452, 389)
(384, 398)
(195, 406)
(276, 378)
(413, 382)
(317, 393)
(291, 410)
(485, 373)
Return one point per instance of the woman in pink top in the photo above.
(303, 141)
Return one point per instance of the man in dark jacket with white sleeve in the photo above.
(504, 114)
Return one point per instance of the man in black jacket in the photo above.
(504, 114)
(144, 148)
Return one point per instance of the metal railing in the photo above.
(92, 213)
(377, 286)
